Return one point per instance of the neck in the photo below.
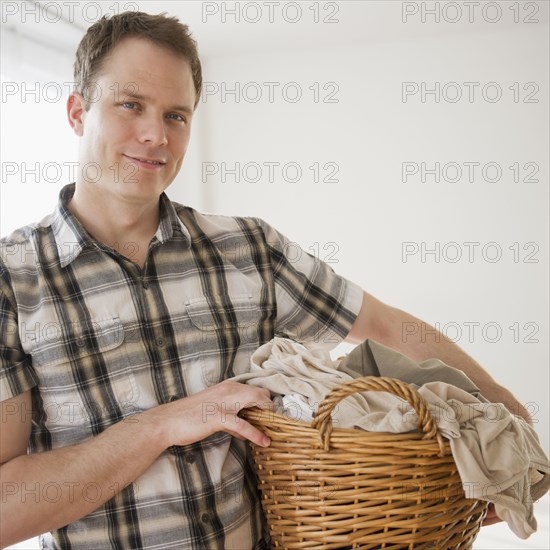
(126, 227)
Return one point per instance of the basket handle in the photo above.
(426, 423)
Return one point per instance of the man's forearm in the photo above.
(45, 491)
(420, 341)
(116, 457)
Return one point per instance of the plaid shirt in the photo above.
(98, 339)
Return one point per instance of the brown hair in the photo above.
(107, 32)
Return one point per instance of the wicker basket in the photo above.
(348, 488)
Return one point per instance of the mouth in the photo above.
(146, 162)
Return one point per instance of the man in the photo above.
(123, 314)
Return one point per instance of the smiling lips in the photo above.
(146, 162)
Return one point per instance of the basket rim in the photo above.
(322, 422)
(258, 417)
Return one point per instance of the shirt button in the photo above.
(205, 518)
(190, 458)
(160, 342)
(145, 285)
(80, 342)
(173, 398)
(176, 450)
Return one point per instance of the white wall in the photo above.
(361, 221)
(369, 213)
(36, 144)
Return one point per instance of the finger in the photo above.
(237, 393)
(258, 397)
(491, 516)
(265, 404)
(243, 429)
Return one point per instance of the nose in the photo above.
(152, 130)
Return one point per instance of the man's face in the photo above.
(137, 127)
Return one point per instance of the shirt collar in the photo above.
(169, 221)
(71, 237)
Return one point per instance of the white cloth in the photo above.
(498, 455)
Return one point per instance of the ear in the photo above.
(76, 109)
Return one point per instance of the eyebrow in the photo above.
(141, 97)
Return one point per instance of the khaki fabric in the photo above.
(370, 358)
(498, 455)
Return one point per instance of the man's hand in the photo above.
(491, 516)
(212, 410)
(114, 458)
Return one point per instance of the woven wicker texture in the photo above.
(328, 488)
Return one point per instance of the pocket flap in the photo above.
(61, 343)
(245, 310)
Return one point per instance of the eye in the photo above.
(176, 116)
(129, 105)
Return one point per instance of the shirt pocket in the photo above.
(84, 374)
(224, 338)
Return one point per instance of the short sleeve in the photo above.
(16, 373)
(315, 306)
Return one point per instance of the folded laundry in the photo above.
(498, 455)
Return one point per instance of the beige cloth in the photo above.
(371, 358)
(498, 456)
